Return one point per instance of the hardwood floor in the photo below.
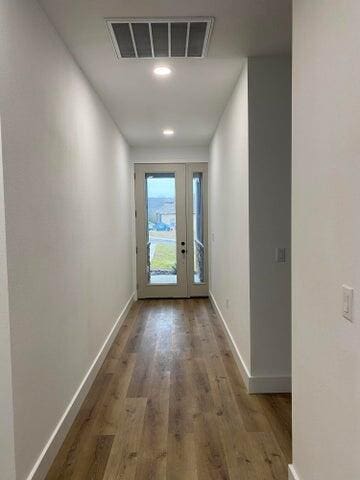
(170, 404)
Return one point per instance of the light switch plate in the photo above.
(348, 302)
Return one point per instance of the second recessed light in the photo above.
(168, 132)
(162, 71)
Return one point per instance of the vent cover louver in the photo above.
(159, 38)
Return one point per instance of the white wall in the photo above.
(326, 238)
(7, 448)
(270, 214)
(250, 195)
(164, 154)
(68, 220)
(229, 217)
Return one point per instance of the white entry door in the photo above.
(171, 230)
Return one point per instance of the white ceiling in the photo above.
(192, 99)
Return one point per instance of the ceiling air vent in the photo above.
(159, 38)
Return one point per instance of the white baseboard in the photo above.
(276, 384)
(54, 443)
(292, 473)
(254, 384)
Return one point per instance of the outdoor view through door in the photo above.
(171, 230)
(161, 228)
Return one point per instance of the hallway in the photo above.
(202, 156)
(169, 403)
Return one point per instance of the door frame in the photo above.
(184, 212)
(145, 290)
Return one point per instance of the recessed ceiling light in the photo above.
(162, 71)
(168, 132)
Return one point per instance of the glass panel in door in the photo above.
(161, 228)
(198, 229)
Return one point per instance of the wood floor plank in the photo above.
(251, 411)
(127, 329)
(117, 394)
(136, 335)
(237, 446)
(277, 409)
(181, 407)
(125, 448)
(169, 403)
(145, 347)
(267, 458)
(99, 460)
(153, 448)
(181, 459)
(210, 456)
(200, 385)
